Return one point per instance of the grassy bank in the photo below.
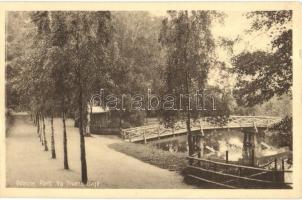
(150, 154)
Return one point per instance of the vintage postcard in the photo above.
(149, 100)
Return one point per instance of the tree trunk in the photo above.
(65, 141)
(80, 104)
(38, 126)
(84, 129)
(53, 150)
(85, 116)
(41, 129)
(35, 120)
(82, 139)
(189, 135)
(45, 141)
(188, 121)
(66, 166)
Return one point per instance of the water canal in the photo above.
(216, 143)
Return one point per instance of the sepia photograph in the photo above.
(149, 99)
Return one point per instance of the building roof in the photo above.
(98, 109)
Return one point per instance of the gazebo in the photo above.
(100, 121)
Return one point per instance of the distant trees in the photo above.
(276, 106)
(17, 46)
(137, 60)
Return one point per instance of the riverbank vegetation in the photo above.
(150, 154)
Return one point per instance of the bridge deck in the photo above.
(144, 133)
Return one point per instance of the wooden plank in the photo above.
(212, 182)
(260, 173)
(234, 176)
(253, 175)
(227, 164)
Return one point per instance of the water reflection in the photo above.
(217, 143)
(176, 144)
(212, 146)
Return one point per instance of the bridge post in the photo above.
(145, 140)
(253, 157)
(227, 156)
(200, 147)
(122, 134)
(173, 131)
(275, 164)
(201, 128)
(248, 147)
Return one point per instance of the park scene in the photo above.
(176, 99)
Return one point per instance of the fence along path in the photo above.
(144, 133)
(227, 175)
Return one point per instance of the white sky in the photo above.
(236, 25)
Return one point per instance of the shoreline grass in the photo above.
(152, 155)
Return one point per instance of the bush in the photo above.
(283, 132)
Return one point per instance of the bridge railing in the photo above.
(260, 121)
(144, 132)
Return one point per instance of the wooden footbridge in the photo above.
(145, 133)
(245, 173)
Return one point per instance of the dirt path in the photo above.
(28, 165)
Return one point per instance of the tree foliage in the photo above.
(264, 74)
(189, 46)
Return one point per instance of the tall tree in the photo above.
(60, 71)
(35, 79)
(264, 74)
(89, 33)
(190, 52)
